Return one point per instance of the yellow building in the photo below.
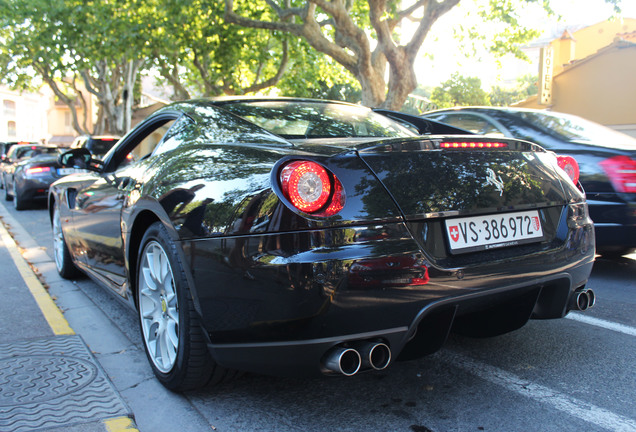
(60, 120)
(592, 73)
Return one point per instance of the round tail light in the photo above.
(311, 188)
(570, 166)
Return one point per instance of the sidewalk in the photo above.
(49, 379)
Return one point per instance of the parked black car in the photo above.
(606, 158)
(97, 145)
(4, 149)
(27, 172)
(300, 237)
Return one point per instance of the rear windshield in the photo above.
(571, 128)
(28, 152)
(317, 120)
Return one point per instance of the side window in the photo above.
(141, 147)
(473, 123)
(521, 129)
(147, 145)
(174, 136)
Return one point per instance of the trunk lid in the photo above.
(441, 178)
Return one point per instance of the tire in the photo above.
(63, 261)
(18, 202)
(173, 338)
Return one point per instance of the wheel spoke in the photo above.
(148, 279)
(58, 241)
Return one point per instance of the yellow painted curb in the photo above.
(120, 424)
(49, 309)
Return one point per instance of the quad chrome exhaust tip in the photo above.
(375, 355)
(346, 361)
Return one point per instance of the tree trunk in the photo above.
(114, 88)
(402, 81)
(373, 87)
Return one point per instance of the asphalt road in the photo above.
(571, 374)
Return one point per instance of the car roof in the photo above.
(99, 136)
(510, 110)
(220, 100)
(40, 146)
(105, 137)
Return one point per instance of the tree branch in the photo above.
(431, 14)
(231, 17)
(46, 74)
(279, 73)
(82, 103)
(210, 88)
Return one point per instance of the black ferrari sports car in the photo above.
(300, 237)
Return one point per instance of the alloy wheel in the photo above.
(158, 307)
(58, 241)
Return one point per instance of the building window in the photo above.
(11, 129)
(9, 108)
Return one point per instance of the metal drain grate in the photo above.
(53, 382)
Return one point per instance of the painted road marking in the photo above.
(577, 408)
(621, 328)
(120, 424)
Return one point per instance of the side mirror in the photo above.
(79, 158)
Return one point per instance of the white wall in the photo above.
(29, 116)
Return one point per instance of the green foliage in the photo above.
(199, 54)
(467, 91)
(324, 79)
(526, 87)
(459, 91)
(419, 101)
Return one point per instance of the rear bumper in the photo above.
(277, 303)
(614, 223)
(615, 236)
(480, 314)
(34, 188)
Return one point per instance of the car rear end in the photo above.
(441, 233)
(607, 162)
(34, 176)
(612, 199)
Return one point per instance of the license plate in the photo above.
(67, 171)
(493, 231)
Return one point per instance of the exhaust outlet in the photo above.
(591, 298)
(583, 299)
(375, 355)
(343, 360)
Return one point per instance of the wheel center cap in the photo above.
(164, 306)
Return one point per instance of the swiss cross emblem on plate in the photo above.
(454, 232)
